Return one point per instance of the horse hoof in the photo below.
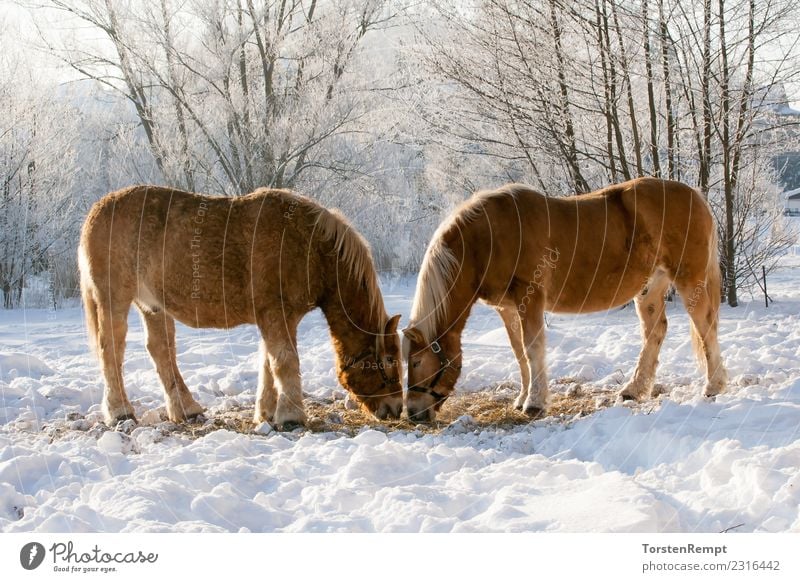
(534, 412)
(518, 407)
(710, 397)
(626, 397)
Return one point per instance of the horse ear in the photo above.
(414, 335)
(391, 325)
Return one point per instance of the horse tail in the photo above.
(713, 290)
(89, 302)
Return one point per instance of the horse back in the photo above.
(207, 260)
(591, 251)
(621, 235)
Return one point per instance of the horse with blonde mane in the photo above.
(525, 253)
(267, 258)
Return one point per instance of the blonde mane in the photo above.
(440, 266)
(354, 252)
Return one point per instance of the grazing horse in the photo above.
(525, 253)
(267, 258)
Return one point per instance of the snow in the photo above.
(673, 463)
(16, 365)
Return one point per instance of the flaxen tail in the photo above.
(713, 292)
(89, 302)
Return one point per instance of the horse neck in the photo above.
(354, 319)
(461, 298)
(442, 306)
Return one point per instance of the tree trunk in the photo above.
(626, 77)
(728, 178)
(665, 45)
(169, 51)
(705, 152)
(651, 101)
(612, 87)
(607, 103)
(579, 182)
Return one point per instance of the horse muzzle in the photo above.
(421, 413)
(390, 408)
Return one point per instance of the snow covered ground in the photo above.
(676, 463)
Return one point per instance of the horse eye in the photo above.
(415, 364)
(390, 359)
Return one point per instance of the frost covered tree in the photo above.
(235, 94)
(575, 95)
(394, 110)
(37, 179)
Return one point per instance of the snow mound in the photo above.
(22, 365)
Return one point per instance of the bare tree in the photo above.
(566, 85)
(237, 94)
(37, 170)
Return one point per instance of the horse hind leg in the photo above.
(513, 326)
(160, 328)
(651, 308)
(112, 327)
(703, 308)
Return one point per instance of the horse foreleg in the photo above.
(280, 340)
(513, 325)
(267, 397)
(160, 328)
(651, 308)
(533, 338)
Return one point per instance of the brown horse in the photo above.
(267, 258)
(525, 253)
